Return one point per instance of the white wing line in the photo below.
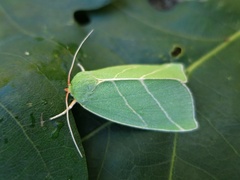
(124, 71)
(127, 104)
(160, 106)
(158, 70)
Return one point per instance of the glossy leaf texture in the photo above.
(37, 40)
(151, 97)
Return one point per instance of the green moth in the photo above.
(151, 97)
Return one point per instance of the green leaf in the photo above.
(37, 40)
(31, 145)
(150, 97)
(93, 4)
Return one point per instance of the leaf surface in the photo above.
(35, 53)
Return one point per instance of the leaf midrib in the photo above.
(213, 52)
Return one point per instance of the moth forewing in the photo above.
(144, 96)
(136, 71)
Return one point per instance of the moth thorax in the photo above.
(82, 86)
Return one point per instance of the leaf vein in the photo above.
(124, 70)
(26, 135)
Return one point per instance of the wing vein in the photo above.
(160, 106)
(151, 73)
(128, 105)
(124, 70)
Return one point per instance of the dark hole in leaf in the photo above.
(176, 51)
(163, 4)
(81, 17)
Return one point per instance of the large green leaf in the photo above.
(37, 40)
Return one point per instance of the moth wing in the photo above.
(164, 105)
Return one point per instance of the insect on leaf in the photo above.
(152, 97)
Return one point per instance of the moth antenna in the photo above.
(81, 67)
(75, 55)
(69, 125)
(68, 107)
(65, 111)
(74, 101)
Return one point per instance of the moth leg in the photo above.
(81, 67)
(65, 111)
